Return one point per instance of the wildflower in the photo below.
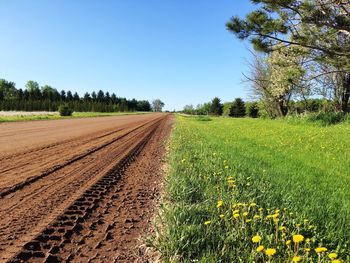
(277, 211)
(260, 248)
(245, 213)
(307, 250)
(270, 252)
(248, 221)
(296, 259)
(261, 209)
(252, 204)
(207, 222)
(220, 203)
(320, 250)
(275, 216)
(235, 211)
(333, 255)
(257, 217)
(288, 242)
(222, 216)
(282, 228)
(336, 261)
(298, 238)
(235, 215)
(256, 239)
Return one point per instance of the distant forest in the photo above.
(47, 98)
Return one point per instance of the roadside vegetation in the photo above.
(254, 190)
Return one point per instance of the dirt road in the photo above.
(78, 190)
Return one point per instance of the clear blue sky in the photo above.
(175, 50)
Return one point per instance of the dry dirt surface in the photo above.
(79, 190)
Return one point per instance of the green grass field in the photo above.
(56, 116)
(286, 185)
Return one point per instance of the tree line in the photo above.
(254, 109)
(47, 98)
(301, 51)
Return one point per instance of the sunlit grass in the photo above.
(233, 179)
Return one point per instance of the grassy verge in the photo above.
(56, 116)
(251, 190)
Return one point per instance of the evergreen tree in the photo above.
(238, 108)
(216, 107)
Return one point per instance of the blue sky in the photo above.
(175, 50)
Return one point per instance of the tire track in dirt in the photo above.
(50, 196)
(54, 164)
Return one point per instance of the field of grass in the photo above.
(56, 116)
(252, 190)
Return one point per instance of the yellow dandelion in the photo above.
(320, 250)
(288, 242)
(257, 217)
(298, 238)
(222, 216)
(252, 204)
(256, 239)
(336, 261)
(270, 252)
(260, 248)
(333, 255)
(235, 215)
(220, 203)
(277, 211)
(296, 259)
(275, 216)
(235, 211)
(207, 222)
(245, 213)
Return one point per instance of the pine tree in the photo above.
(238, 108)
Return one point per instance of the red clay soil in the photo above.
(79, 190)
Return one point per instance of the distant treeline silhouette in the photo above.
(46, 98)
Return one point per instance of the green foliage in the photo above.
(226, 108)
(326, 118)
(157, 105)
(237, 109)
(46, 98)
(252, 109)
(301, 170)
(216, 107)
(203, 118)
(64, 110)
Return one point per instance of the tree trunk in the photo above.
(346, 93)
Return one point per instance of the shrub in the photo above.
(203, 118)
(326, 118)
(252, 109)
(64, 110)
